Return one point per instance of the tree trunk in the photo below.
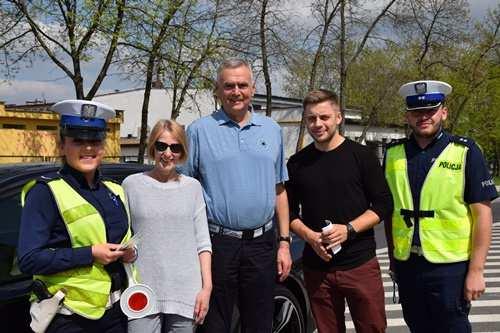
(343, 72)
(145, 105)
(457, 112)
(265, 66)
(314, 69)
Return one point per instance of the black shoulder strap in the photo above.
(396, 142)
(47, 178)
(462, 140)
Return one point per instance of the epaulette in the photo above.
(462, 140)
(49, 177)
(42, 179)
(396, 142)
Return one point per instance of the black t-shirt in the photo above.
(338, 185)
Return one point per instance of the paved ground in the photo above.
(485, 313)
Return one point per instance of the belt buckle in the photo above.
(247, 234)
(417, 250)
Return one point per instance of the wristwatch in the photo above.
(287, 239)
(351, 233)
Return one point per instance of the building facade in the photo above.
(30, 133)
(286, 111)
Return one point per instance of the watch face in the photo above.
(284, 239)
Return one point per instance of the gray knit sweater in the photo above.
(172, 222)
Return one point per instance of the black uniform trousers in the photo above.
(432, 295)
(244, 275)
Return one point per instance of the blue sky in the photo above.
(44, 81)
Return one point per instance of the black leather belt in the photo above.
(415, 214)
(241, 234)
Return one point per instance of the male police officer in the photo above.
(72, 225)
(441, 223)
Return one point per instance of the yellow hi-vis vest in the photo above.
(87, 288)
(445, 221)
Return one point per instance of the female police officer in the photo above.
(73, 223)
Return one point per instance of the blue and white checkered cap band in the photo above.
(424, 101)
(426, 94)
(83, 119)
(76, 121)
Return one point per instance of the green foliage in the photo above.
(431, 40)
(373, 85)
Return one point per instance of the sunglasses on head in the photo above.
(175, 148)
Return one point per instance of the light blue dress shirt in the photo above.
(237, 167)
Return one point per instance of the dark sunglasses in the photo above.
(175, 148)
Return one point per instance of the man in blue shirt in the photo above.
(439, 236)
(238, 157)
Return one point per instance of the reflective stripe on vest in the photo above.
(87, 288)
(445, 237)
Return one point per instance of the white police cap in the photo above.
(425, 94)
(83, 119)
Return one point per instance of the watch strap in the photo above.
(287, 239)
(351, 232)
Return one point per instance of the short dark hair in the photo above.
(319, 96)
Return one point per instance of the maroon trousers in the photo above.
(361, 287)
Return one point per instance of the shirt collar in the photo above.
(222, 118)
(77, 177)
(438, 137)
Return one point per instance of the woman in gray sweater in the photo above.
(168, 211)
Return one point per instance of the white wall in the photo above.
(289, 120)
(160, 107)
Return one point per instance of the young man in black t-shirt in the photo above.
(338, 180)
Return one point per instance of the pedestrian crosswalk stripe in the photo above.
(380, 251)
(492, 270)
(391, 322)
(482, 318)
(492, 290)
(493, 257)
(389, 306)
(486, 279)
(493, 263)
(385, 259)
(487, 264)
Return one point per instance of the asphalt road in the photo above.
(485, 313)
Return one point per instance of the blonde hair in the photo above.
(176, 130)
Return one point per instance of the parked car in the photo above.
(291, 310)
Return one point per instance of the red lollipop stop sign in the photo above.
(138, 299)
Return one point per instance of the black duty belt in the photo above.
(415, 214)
